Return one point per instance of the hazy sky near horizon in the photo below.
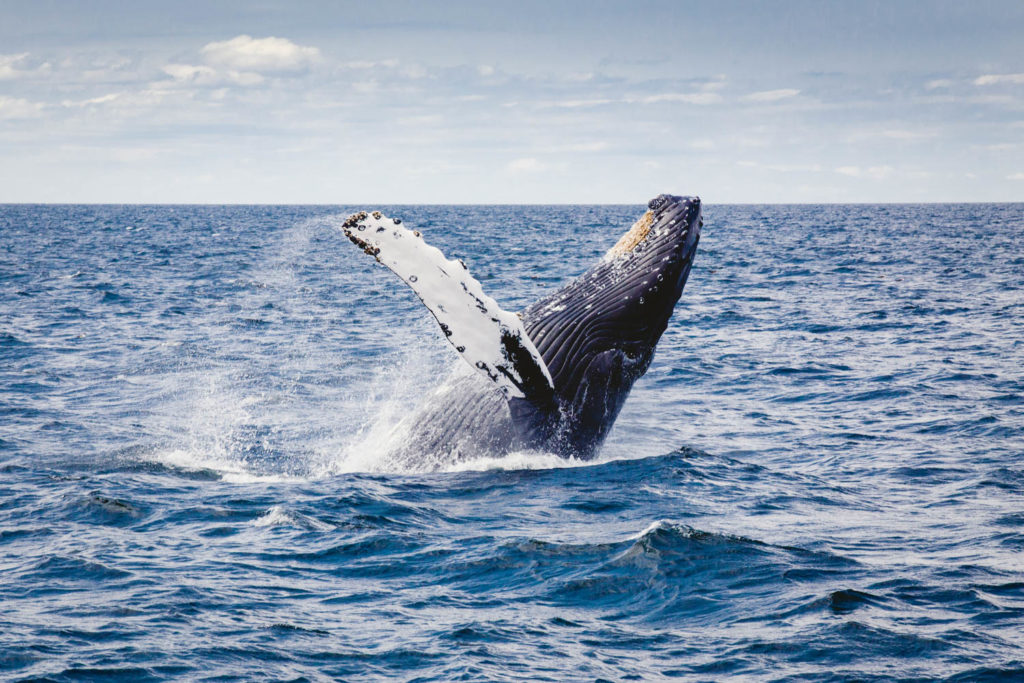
(525, 102)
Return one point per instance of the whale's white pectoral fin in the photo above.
(489, 338)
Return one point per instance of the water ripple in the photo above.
(818, 479)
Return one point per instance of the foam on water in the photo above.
(228, 468)
(516, 460)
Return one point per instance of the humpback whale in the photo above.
(554, 376)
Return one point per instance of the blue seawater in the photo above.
(820, 478)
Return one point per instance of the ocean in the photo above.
(820, 478)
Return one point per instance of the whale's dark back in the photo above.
(597, 337)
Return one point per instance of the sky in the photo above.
(511, 102)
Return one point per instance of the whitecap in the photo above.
(278, 515)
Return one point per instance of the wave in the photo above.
(279, 515)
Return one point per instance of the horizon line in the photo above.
(329, 204)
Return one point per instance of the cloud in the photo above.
(938, 83)
(419, 120)
(188, 73)
(102, 99)
(245, 53)
(883, 132)
(595, 146)
(579, 77)
(785, 168)
(17, 108)
(702, 98)
(7, 65)
(1015, 176)
(771, 95)
(244, 61)
(717, 84)
(12, 66)
(903, 134)
(998, 79)
(193, 74)
(575, 104)
(369, 64)
(688, 98)
(525, 165)
(872, 172)
(414, 71)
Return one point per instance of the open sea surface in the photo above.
(821, 477)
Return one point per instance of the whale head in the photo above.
(597, 334)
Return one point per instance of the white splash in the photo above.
(220, 417)
(517, 460)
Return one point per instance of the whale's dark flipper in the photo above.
(492, 340)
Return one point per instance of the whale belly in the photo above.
(465, 419)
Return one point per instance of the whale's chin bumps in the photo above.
(554, 376)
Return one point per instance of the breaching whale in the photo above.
(554, 376)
